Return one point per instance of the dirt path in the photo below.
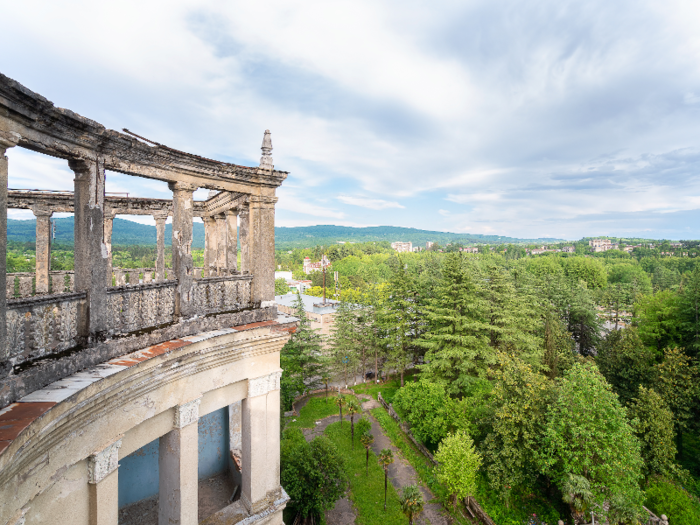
(401, 473)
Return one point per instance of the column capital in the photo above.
(101, 464)
(262, 201)
(41, 212)
(8, 140)
(219, 217)
(110, 213)
(208, 218)
(187, 413)
(262, 385)
(182, 186)
(160, 214)
(233, 212)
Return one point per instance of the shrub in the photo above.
(665, 497)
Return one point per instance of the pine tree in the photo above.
(302, 356)
(457, 337)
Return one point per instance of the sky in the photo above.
(551, 118)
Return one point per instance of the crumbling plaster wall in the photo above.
(39, 469)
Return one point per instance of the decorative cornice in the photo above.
(262, 385)
(187, 414)
(102, 464)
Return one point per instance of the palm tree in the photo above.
(411, 502)
(326, 378)
(367, 439)
(353, 408)
(386, 458)
(341, 402)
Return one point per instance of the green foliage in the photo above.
(586, 269)
(316, 408)
(659, 324)
(364, 425)
(459, 464)
(655, 430)
(558, 352)
(626, 363)
(520, 399)
(411, 502)
(592, 439)
(666, 497)
(456, 339)
(281, 287)
(689, 312)
(312, 473)
(427, 408)
(675, 381)
(353, 340)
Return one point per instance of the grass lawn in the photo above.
(316, 408)
(366, 492)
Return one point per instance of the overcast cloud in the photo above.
(551, 118)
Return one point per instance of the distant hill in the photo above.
(129, 232)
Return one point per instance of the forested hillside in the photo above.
(576, 376)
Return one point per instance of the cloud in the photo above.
(372, 204)
(508, 117)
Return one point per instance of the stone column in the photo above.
(90, 250)
(160, 217)
(108, 224)
(261, 246)
(244, 213)
(103, 479)
(232, 240)
(221, 242)
(178, 456)
(210, 246)
(182, 246)
(43, 248)
(261, 442)
(4, 146)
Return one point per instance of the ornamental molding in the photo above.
(262, 385)
(102, 464)
(187, 413)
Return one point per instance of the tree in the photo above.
(520, 398)
(367, 439)
(591, 271)
(312, 474)
(400, 319)
(675, 383)
(558, 354)
(456, 340)
(459, 464)
(411, 502)
(353, 408)
(658, 319)
(340, 402)
(427, 408)
(592, 440)
(655, 431)
(281, 287)
(386, 458)
(625, 362)
(689, 312)
(303, 352)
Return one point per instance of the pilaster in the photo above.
(160, 218)
(232, 240)
(221, 243)
(103, 479)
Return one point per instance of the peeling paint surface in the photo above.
(213, 443)
(138, 474)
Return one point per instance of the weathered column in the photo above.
(43, 248)
(160, 217)
(261, 246)
(182, 246)
(108, 224)
(261, 442)
(103, 477)
(4, 146)
(221, 242)
(177, 468)
(244, 214)
(210, 246)
(90, 250)
(232, 240)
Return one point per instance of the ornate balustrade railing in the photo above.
(21, 284)
(41, 325)
(132, 276)
(141, 306)
(222, 294)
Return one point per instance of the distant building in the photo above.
(287, 276)
(429, 245)
(417, 248)
(569, 249)
(676, 245)
(602, 245)
(321, 315)
(470, 249)
(315, 266)
(402, 246)
(299, 286)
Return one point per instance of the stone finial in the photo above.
(101, 464)
(266, 159)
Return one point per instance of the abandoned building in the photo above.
(146, 395)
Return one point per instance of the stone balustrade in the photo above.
(21, 284)
(41, 325)
(214, 295)
(140, 306)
